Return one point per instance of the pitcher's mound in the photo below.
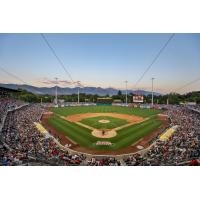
(104, 121)
(104, 133)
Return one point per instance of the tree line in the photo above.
(172, 98)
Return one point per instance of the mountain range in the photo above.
(64, 91)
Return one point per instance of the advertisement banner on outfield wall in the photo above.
(138, 99)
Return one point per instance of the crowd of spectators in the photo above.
(22, 144)
(7, 104)
(103, 162)
(194, 107)
(182, 147)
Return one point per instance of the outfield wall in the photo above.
(142, 106)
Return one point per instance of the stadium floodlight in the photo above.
(78, 85)
(56, 92)
(126, 93)
(78, 96)
(152, 91)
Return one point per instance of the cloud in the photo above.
(46, 81)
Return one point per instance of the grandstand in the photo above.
(26, 143)
(98, 130)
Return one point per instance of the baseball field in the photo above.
(107, 128)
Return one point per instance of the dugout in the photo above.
(107, 101)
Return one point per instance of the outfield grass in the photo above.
(114, 122)
(125, 137)
(105, 109)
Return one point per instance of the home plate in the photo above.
(140, 147)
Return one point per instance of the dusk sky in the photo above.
(104, 60)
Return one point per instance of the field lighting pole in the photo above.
(78, 84)
(152, 92)
(126, 93)
(56, 93)
(78, 96)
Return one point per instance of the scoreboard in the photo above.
(138, 99)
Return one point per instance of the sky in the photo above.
(102, 60)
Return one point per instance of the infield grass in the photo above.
(113, 122)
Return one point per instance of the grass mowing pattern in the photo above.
(114, 122)
(78, 134)
(124, 138)
(105, 109)
(132, 134)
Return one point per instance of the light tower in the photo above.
(168, 101)
(126, 93)
(152, 91)
(78, 96)
(56, 92)
(78, 84)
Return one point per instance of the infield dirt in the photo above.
(80, 117)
